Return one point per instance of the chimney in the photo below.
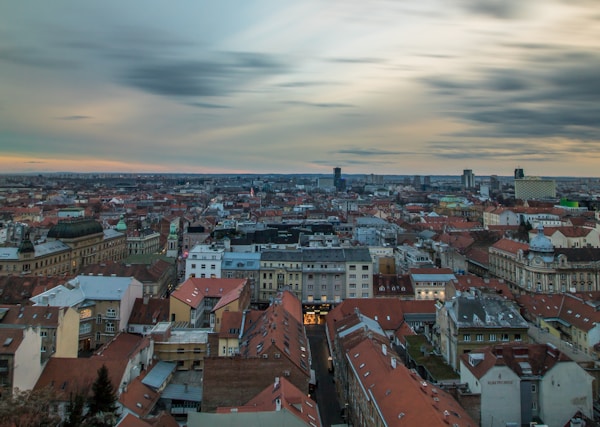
(146, 298)
(384, 349)
(278, 404)
(276, 383)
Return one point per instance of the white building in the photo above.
(204, 261)
(519, 383)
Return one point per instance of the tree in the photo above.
(104, 397)
(75, 410)
(28, 408)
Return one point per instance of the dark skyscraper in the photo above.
(338, 182)
(519, 173)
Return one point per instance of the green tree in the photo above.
(104, 397)
(75, 410)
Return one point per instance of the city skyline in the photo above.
(385, 87)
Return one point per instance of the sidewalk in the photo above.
(541, 336)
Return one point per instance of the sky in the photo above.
(301, 86)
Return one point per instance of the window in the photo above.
(111, 312)
(365, 295)
(517, 337)
(504, 337)
(99, 319)
(479, 337)
(467, 337)
(365, 267)
(365, 286)
(180, 350)
(203, 266)
(43, 334)
(110, 327)
(352, 295)
(365, 276)
(352, 286)
(534, 388)
(85, 328)
(212, 266)
(193, 265)
(352, 276)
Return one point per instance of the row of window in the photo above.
(491, 337)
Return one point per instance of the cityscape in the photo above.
(306, 214)
(315, 300)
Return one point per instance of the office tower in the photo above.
(494, 183)
(338, 181)
(519, 173)
(534, 188)
(417, 182)
(468, 179)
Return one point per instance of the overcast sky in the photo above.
(301, 86)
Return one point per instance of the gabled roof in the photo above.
(511, 246)
(194, 289)
(11, 340)
(400, 396)
(277, 328)
(566, 308)
(522, 359)
(149, 311)
(66, 376)
(139, 398)
(46, 317)
(282, 395)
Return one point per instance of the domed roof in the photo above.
(540, 243)
(121, 226)
(73, 228)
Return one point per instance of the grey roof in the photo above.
(469, 311)
(241, 261)
(95, 288)
(9, 253)
(51, 247)
(159, 374)
(361, 254)
(445, 277)
(366, 221)
(290, 256)
(111, 233)
(364, 321)
(323, 255)
(182, 392)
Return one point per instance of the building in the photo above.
(185, 347)
(567, 317)
(273, 343)
(279, 270)
(430, 283)
(520, 384)
(539, 267)
(198, 301)
(384, 392)
(20, 358)
(70, 245)
(58, 327)
(143, 242)
(467, 179)
(534, 188)
(104, 305)
(243, 265)
(468, 322)
(204, 261)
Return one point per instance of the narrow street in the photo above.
(326, 397)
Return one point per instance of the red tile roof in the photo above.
(290, 398)
(400, 395)
(194, 289)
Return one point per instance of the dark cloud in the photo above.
(500, 9)
(370, 152)
(74, 118)
(33, 57)
(217, 77)
(208, 105)
(537, 100)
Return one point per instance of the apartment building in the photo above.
(468, 322)
(524, 383)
